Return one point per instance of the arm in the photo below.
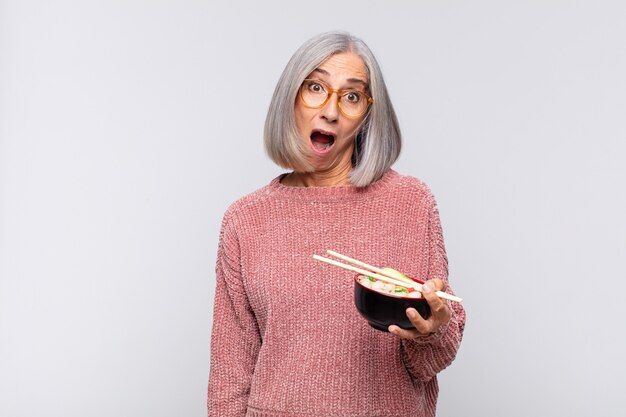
(425, 356)
(235, 339)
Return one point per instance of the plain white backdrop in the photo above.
(127, 127)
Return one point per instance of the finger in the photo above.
(422, 325)
(437, 284)
(403, 333)
(440, 313)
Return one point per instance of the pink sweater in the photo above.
(287, 339)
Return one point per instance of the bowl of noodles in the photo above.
(382, 304)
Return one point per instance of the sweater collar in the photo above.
(340, 192)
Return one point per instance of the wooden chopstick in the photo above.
(441, 294)
(383, 278)
(380, 274)
(363, 264)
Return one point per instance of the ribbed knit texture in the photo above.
(287, 339)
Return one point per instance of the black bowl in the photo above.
(381, 310)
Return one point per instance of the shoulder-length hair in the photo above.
(378, 141)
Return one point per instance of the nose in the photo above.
(330, 111)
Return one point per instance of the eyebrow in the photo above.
(350, 80)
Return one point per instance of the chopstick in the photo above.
(364, 265)
(379, 274)
(383, 278)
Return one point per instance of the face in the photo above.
(329, 134)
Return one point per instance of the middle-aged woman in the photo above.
(287, 339)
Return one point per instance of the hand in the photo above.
(440, 313)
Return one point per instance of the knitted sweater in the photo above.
(287, 339)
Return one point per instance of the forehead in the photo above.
(343, 67)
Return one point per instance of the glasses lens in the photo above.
(354, 103)
(313, 93)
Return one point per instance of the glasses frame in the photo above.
(329, 93)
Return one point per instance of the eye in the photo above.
(352, 97)
(315, 87)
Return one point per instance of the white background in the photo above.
(127, 128)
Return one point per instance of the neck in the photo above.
(319, 178)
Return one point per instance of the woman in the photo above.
(287, 339)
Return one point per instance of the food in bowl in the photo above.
(383, 304)
(387, 288)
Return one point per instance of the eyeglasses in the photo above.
(352, 103)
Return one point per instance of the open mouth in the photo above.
(321, 140)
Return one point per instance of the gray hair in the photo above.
(378, 141)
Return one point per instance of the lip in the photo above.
(323, 132)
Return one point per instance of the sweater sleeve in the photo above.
(427, 356)
(235, 338)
